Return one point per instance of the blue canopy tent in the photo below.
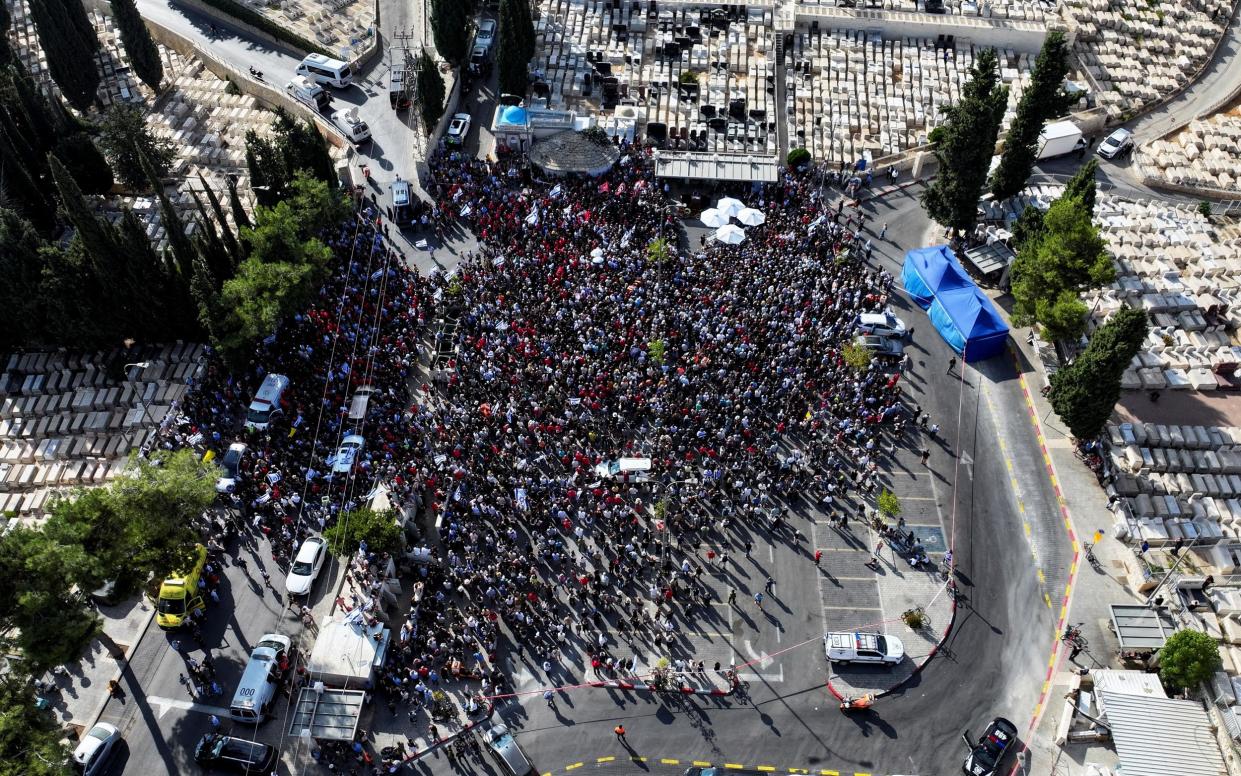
(959, 311)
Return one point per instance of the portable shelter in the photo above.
(960, 312)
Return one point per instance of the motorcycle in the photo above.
(256, 74)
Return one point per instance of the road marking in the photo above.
(573, 767)
(733, 766)
(668, 761)
(766, 768)
(607, 759)
(829, 773)
(164, 704)
(702, 763)
(636, 759)
(850, 608)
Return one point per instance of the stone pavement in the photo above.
(84, 688)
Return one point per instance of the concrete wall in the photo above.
(268, 95)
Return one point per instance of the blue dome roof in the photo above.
(513, 115)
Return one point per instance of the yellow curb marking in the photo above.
(733, 766)
(573, 767)
(605, 759)
(702, 763)
(667, 761)
(767, 768)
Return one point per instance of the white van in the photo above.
(880, 648)
(325, 70)
(361, 402)
(306, 91)
(625, 470)
(266, 404)
(258, 686)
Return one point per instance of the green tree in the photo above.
(888, 504)
(240, 217)
(85, 163)
(523, 25)
(227, 236)
(511, 59)
(450, 26)
(658, 251)
(968, 142)
(31, 740)
(1188, 658)
(295, 147)
(1204, 208)
(430, 91)
(41, 617)
(378, 529)
(138, 43)
(797, 157)
(68, 39)
(1043, 99)
(855, 355)
(21, 266)
(1085, 392)
(125, 137)
(1028, 226)
(1082, 186)
(1068, 256)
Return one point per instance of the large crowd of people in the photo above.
(585, 328)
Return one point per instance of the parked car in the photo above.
(986, 756)
(486, 34)
(1116, 144)
(306, 566)
(882, 347)
(347, 454)
(96, 748)
(238, 755)
(231, 464)
(883, 324)
(357, 130)
(458, 128)
(878, 648)
(511, 757)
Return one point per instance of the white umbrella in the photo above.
(713, 218)
(730, 234)
(730, 206)
(751, 217)
(597, 253)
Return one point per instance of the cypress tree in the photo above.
(450, 26)
(240, 216)
(1082, 185)
(430, 87)
(226, 234)
(85, 163)
(136, 38)
(206, 291)
(1043, 100)
(209, 246)
(966, 145)
(174, 227)
(6, 50)
(1085, 392)
(22, 189)
(21, 314)
(68, 40)
(511, 60)
(98, 241)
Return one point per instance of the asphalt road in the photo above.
(992, 664)
(159, 720)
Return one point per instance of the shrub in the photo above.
(1188, 659)
(798, 157)
(888, 504)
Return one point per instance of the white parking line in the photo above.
(164, 704)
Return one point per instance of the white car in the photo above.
(306, 566)
(347, 454)
(1116, 144)
(486, 34)
(357, 130)
(231, 464)
(458, 128)
(883, 324)
(95, 749)
(845, 648)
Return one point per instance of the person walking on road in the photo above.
(769, 584)
(758, 600)
(818, 556)
(732, 596)
(952, 364)
(926, 454)
(619, 730)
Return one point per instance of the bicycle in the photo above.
(1090, 557)
(1073, 635)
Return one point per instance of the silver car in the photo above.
(95, 749)
(883, 347)
(1116, 144)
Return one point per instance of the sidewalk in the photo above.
(84, 689)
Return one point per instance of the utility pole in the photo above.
(403, 69)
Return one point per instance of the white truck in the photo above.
(1059, 138)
